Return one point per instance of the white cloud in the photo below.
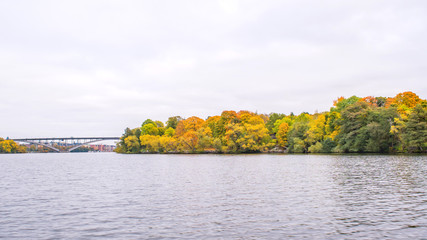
(229, 6)
(165, 66)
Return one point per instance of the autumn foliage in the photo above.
(369, 124)
(10, 146)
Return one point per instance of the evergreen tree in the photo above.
(415, 132)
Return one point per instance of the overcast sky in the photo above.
(92, 68)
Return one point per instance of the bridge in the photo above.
(69, 143)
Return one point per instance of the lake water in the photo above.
(99, 195)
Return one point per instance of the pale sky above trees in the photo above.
(92, 68)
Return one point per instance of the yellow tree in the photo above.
(409, 99)
(150, 143)
(316, 131)
(229, 117)
(404, 102)
(250, 135)
(189, 124)
(205, 139)
(158, 144)
(282, 134)
(287, 119)
(255, 137)
(10, 146)
(132, 144)
(244, 115)
(168, 144)
(233, 132)
(170, 132)
(5, 146)
(188, 141)
(332, 127)
(186, 132)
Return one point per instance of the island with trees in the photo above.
(353, 125)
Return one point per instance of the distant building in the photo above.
(102, 148)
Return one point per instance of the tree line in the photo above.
(352, 125)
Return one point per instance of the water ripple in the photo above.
(69, 196)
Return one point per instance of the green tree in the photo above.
(342, 103)
(297, 133)
(272, 118)
(214, 124)
(149, 129)
(316, 148)
(365, 128)
(352, 136)
(205, 138)
(378, 129)
(415, 130)
(148, 121)
(172, 122)
(170, 132)
(328, 145)
(217, 144)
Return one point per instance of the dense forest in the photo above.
(353, 125)
(10, 146)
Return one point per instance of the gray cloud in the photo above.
(76, 68)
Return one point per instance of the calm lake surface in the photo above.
(107, 195)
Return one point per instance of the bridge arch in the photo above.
(42, 144)
(76, 142)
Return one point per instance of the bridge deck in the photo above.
(63, 139)
(53, 143)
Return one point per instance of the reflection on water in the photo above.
(213, 196)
